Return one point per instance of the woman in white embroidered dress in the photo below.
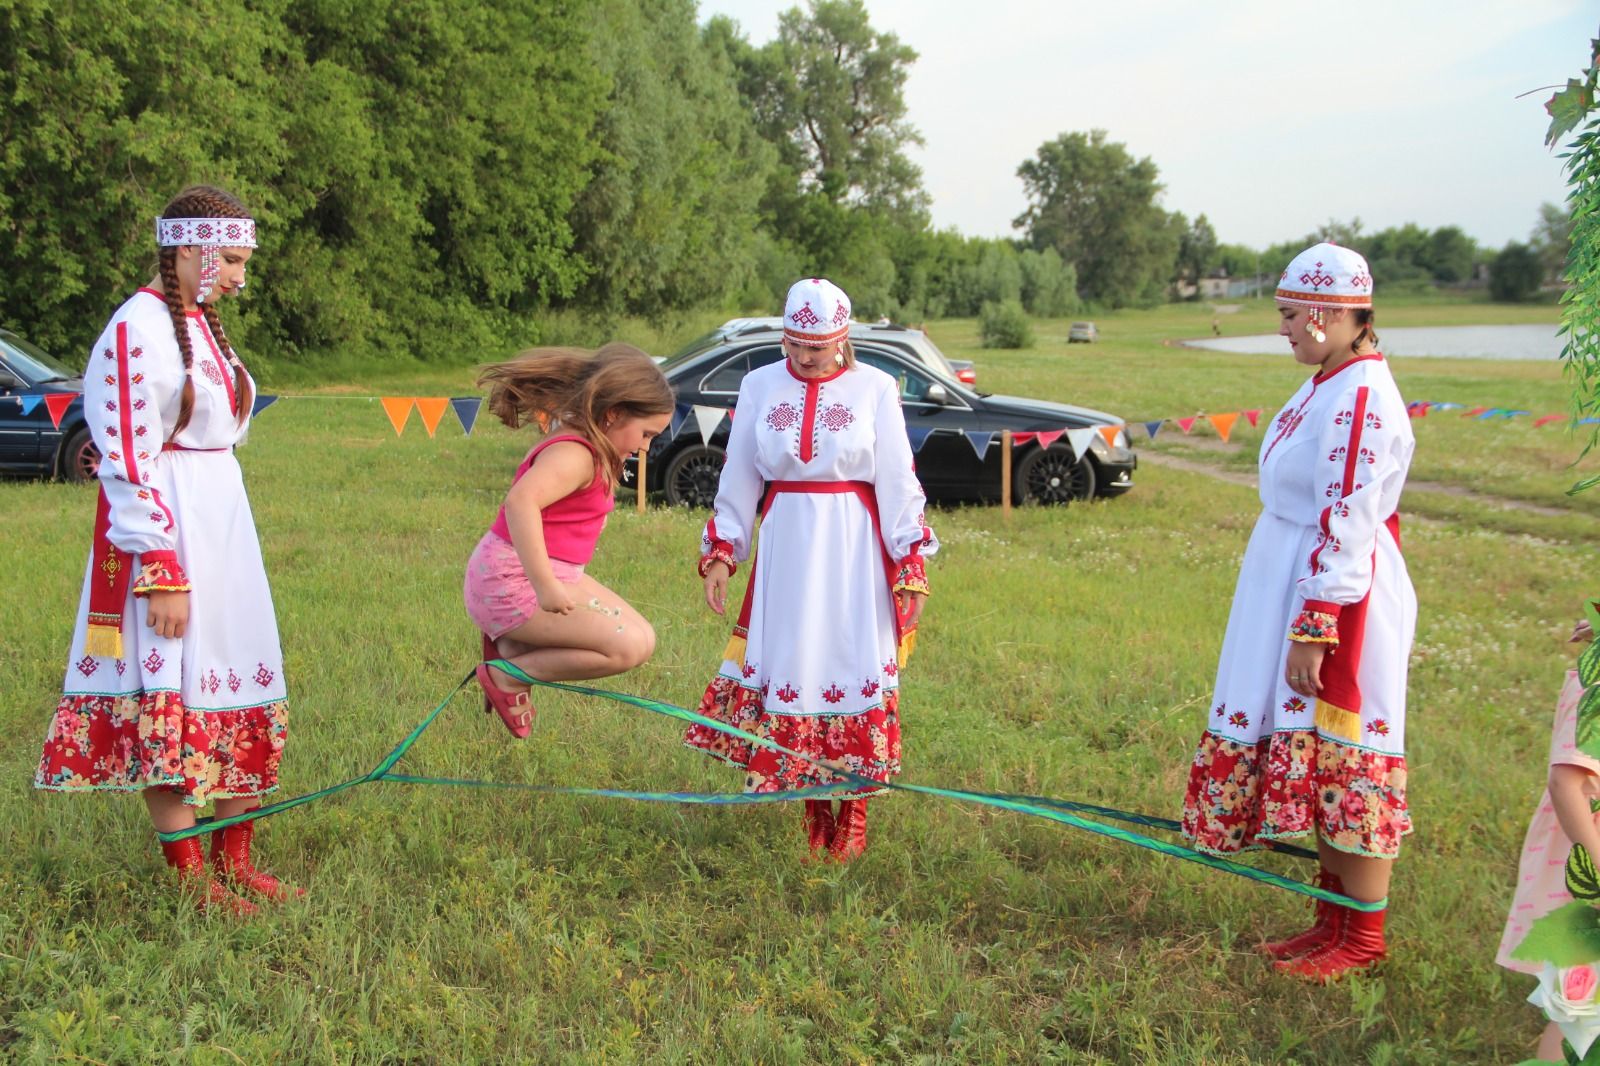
(1307, 727)
(174, 687)
(815, 660)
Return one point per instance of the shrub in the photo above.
(1005, 325)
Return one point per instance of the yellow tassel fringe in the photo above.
(103, 642)
(1338, 722)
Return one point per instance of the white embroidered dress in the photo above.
(1332, 467)
(818, 663)
(204, 713)
(822, 634)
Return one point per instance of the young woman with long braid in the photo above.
(174, 686)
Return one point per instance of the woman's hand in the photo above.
(910, 605)
(552, 597)
(1303, 672)
(1581, 632)
(717, 575)
(168, 613)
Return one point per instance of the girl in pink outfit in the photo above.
(525, 587)
(1564, 817)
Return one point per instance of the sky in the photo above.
(1269, 123)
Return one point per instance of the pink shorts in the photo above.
(498, 594)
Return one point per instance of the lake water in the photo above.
(1449, 342)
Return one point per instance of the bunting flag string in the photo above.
(57, 403)
(980, 441)
(29, 403)
(262, 402)
(708, 419)
(431, 409)
(466, 409)
(398, 408)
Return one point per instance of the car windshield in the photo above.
(32, 364)
(693, 348)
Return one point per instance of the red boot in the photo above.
(1357, 945)
(230, 856)
(850, 831)
(1326, 925)
(819, 826)
(189, 860)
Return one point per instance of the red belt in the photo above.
(171, 447)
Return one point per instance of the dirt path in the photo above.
(1239, 477)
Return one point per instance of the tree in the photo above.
(1451, 254)
(670, 214)
(1552, 239)
(1197, 250)
(1096, 205)
(1515, 273)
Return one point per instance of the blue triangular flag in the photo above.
(1491, 413)
(918, 435)
(261, 404)
(29, 401)
(980, 441)
(1152, 428)
(680, 415)
(466, 409)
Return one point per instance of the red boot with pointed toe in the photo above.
(230, 857)
(187, 857)
(1357, 945)
(819, 826)
(1325, 927)
(850, 831)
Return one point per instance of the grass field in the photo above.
(1067, 652)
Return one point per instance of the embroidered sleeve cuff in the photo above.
(1315, 627)
(720, 552)
(912, 575)
(159, 571)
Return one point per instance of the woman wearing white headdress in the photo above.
(174, 686)
(814, 663)
(1307, 728)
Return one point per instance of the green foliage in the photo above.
(1004, 324)
(1567, 936)
(413, 194)
(1515, 274)
(1197, 250)
(1096, 205)
(669, 216)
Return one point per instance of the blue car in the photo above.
(31, 444)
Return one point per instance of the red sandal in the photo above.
(514, 708)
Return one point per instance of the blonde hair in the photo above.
(576, 389)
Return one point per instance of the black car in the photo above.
(948, 423)
(32, 444)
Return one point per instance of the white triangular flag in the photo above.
(708, 419)
(1080, 440)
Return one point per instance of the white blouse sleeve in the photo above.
(1361, 469)
(127, 389)
(901, 502)
(730, 528)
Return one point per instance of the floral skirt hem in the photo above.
(145, 740)
(866, 744)
(1291, 784)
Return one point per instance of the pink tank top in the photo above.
(573, 523)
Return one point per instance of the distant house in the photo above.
(1215, 286)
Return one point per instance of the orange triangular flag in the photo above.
(398, 408)
(1110, 434)
(1223, 424)
(57, 403)
(431, 408)
(1251, 416)
(1185, 424)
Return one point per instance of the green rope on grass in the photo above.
(1059, 811)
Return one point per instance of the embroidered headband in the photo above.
(213, 232)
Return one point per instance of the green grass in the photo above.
(1066, 652)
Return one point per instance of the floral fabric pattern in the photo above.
(1290, 784)
(144, 740)
(867, 744)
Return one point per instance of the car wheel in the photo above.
(80, 459)
(691, 476)
(1053, 475)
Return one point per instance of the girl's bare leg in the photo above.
(603, 636)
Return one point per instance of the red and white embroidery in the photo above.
(1373, 421)
(783, 417)
(211, 372)
(154, 661)
(87, 665)
(806, 317)
(122, 667)
(833, 693)
(891, 668)
(1294, 705)
(263, 675)
(841, 315)
(870, 689)
(1239, 720)
(836, 416)
(233, 681)
(1344, 418)
(1316, 277)
(788, 694)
